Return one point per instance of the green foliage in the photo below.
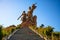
(4, 33)
(12, 30)
(1, 34)
(56, 36)
(42, 25)
(18, 26)
(48, 30)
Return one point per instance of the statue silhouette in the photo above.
(30, 12)
(23, 17)
(28, 19)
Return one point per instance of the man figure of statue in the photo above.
(31, 9)
(23, 16)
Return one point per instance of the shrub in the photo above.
(1, 34)
(12, 30)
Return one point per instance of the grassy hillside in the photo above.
(47, 32)
(6, 31)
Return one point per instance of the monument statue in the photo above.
(28, 19)
(30, 12)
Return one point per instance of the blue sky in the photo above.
(47, 11)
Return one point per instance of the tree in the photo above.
(42, 25)
(48, 30)
(1, 34)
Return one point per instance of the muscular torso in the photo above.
(30, 13)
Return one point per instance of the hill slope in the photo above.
(25, 34)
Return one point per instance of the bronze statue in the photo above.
(30, 12)
(28, 19)
(23, 17)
